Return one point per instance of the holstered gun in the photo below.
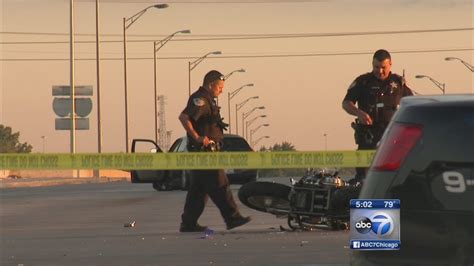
(363, 134)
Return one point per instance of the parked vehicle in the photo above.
(426, 159)
(179, 179)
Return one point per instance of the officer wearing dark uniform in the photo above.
(377, 95)
(204, 127)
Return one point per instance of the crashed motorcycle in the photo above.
(318, 200)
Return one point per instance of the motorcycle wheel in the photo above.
(265, 197)
(294, 222)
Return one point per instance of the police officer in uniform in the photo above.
(204, 127)
(377, 95)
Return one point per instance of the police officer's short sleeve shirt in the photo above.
(197, 107)
(363, 86)
(355, 92)
(203, 116)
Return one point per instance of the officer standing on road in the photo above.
(377, 95)
(204, 127)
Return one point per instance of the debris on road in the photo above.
(131, 224)
(208, 233)
(303, 242)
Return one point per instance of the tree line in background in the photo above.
(298, 172)
(284, 146)
(10, 143)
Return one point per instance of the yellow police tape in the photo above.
(191, 160)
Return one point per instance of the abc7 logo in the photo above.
(380, 224)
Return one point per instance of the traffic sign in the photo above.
(78, 90)
(62, 106)
(65, 123)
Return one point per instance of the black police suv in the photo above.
(179, 179)
(426, 159)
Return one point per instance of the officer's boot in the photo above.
(193, 208)
(225, 202)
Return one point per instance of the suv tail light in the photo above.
(398, 142)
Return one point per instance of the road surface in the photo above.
(84, 225)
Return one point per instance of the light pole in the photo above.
(245, 115)
(248, 123)
(252, 131)
(325, 142)
(127, 22)
(227, 77)
(97, 57)
(157, 45)
(192, 65)
(230, 74)
(258, 140)
(237, 108)
(72, 82)
(441, 86)
(469, 66)
(44, 140)
(230, 95)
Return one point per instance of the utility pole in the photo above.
(162, 133)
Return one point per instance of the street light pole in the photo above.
(248, 123)
(252, 131)
(127, 22)
(226, 77)
(469, 66)
(325, 142)
(44, 140)
(230, 74)
(230, 95)
(237, 108)
(245, 115)
(97, 44)
(192, 65)
(258, 140)
(71, 78)
(441, 86)
(157, 45)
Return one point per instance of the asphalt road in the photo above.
(84, 225)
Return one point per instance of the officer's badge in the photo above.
(393, 85)
(198, 101)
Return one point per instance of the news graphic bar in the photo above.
(375, 224)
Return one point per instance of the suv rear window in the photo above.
(236, 144)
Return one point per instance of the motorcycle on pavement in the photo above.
(319, 199)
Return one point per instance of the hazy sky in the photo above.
(300, 79)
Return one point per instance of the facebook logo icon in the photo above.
(356, 244)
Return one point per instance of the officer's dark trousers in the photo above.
(377, 132)
(361, 172)
(212, 183)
